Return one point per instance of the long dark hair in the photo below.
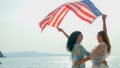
(106, 40)
(72, 40)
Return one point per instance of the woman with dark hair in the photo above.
(100, 52)
(78, 52)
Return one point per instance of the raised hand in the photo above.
(60, 29)
(104, 16)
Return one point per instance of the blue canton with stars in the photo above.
(92, 7)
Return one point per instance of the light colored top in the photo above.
(99, 53)
(78, 53)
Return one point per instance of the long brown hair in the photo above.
(106, 40)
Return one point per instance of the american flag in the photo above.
(85, 10)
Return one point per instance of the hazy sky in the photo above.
(19, 29)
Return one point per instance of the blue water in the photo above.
(48, 62)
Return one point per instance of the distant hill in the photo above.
(32, 54)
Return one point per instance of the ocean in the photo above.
(49, 62)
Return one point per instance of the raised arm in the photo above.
(61, 30)
(104, 23)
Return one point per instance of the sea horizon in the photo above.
(49, 62)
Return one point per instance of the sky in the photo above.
(20, 31)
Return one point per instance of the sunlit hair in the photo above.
(106, 40)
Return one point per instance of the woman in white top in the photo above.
(100, 52)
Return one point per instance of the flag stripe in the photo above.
(54, 12)
(56, 16)
(84, 10)
(78, 13)
(59, 15)
(84, 5)
(83, 14)
(45, 21)
(62, 17)
(42, 24)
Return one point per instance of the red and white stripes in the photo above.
(82, 11)
(48, 19)
(58, 17)
(55, 18)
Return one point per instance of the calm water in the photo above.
(48, 62)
